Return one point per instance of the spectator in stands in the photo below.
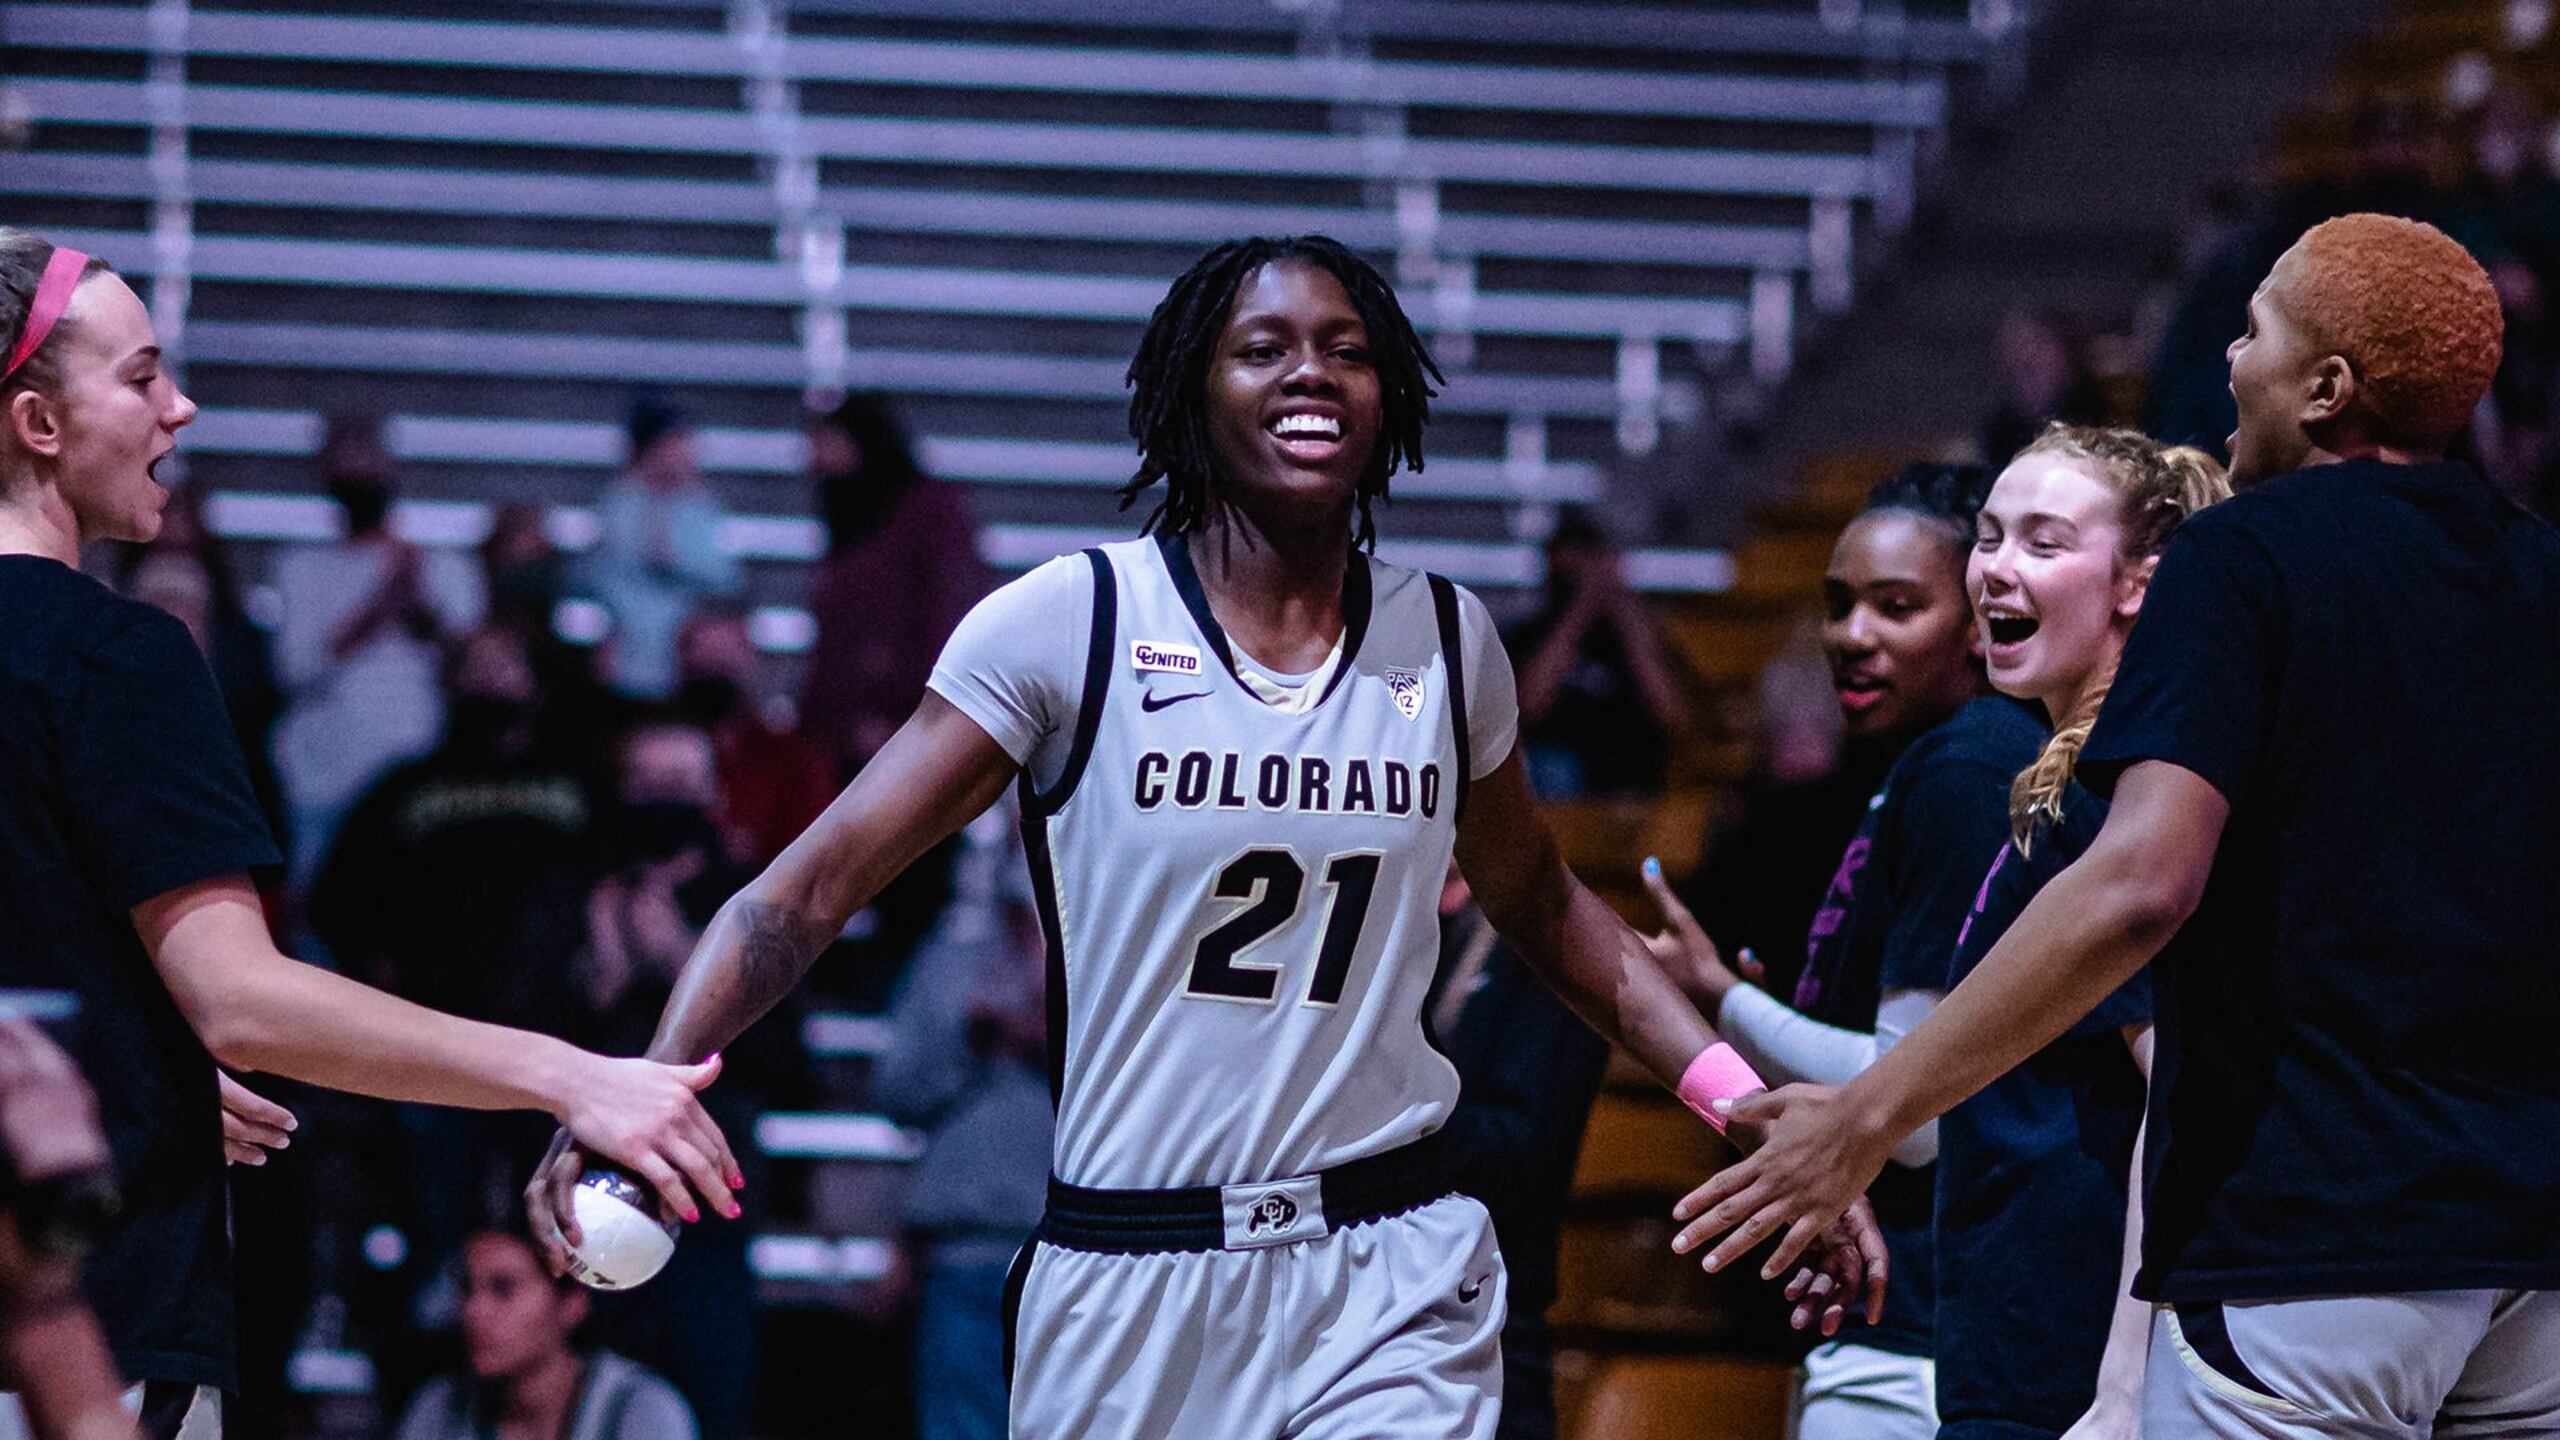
(1527, 1070)
(967, 1062)
(2515, 438)
(773, 779)
(525, 573)
(661, 554)
(525, 1377)
(2040, 378)
(1600, 695)
(668, 874)
(360, 643)
(901, 569)
(459, 881)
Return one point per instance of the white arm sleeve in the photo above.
(1493, 697)
(1786, 1046)
(1015, 664)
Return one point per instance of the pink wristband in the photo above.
(1719, 1073)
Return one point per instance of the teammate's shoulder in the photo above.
(1993, 731)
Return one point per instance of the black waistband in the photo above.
(1193, 1217)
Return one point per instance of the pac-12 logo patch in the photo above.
(1405, 686)
(1158, 655)
(1273, 1214)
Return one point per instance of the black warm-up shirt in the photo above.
(2356, 1089)
(120, 780)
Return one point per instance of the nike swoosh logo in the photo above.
(1468, 1291)
(1152, 702)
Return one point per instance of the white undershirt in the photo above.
(1786, 1045)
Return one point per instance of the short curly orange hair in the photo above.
(2410, 309)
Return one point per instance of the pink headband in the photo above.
(53, 296)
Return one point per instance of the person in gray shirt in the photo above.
(524, 1377)
(967, 1063)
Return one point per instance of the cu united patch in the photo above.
(1405, 688)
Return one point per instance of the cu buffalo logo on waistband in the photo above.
(1273, 1214)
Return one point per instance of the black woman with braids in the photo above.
(1246, 751)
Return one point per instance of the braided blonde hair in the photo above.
(2159, 487)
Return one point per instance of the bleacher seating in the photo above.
(496, 223)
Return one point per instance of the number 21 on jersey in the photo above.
(1273, 882)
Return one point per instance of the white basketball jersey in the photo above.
(1241, 902)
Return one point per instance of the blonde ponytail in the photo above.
(2160, 486)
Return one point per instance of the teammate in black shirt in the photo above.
(1905, 658)
(2331, 753)
(128, 830)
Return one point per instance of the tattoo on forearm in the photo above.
(775, 948)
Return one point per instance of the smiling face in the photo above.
(111, 419)
(1897, 628)
(2051, 592)
(1293, 399)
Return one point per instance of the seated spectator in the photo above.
(967, 1063)
(901, 569)
(524, 1374)
(660, 556)
(1600, 696)
(459, 881)
(360, 643)
(665, 876)
(1527, 1070)
(773, 779)
(525, 573)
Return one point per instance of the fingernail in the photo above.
(1721, 1107)
(1653, 867)
(1712, 1264)
(692, 1216)
(737, 1182)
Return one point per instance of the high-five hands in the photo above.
(1812, 1165)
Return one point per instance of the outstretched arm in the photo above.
(2084, 934)
(939, 772)
(1604, 971)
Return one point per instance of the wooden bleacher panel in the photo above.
(1654, 1397)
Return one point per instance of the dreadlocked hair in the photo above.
(2158, 486)
(1168, 415)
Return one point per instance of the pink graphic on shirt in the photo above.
(1982, 897)
(1827, 920)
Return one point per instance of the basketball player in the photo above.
(128, 830)
(1907, 660)
(2331, 756)
(1246, 750)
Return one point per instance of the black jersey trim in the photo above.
(1453, 652)
(1044, 900)
(1097, 690)
(1358, 590)
(1016, 1276)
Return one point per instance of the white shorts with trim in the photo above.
(1391, 1327)
(2445, 1363)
